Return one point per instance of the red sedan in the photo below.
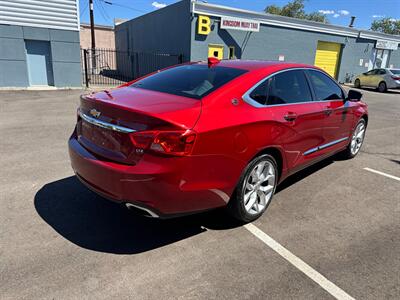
(204, 135)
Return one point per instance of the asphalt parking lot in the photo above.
(338, 222)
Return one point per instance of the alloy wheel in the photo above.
(357, 138)
(259, 187)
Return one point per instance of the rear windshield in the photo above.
(397, 72)
(194, 81)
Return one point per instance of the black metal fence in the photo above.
(113, 67)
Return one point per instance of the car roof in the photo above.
(251, 65)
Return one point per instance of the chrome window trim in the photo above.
(246, 96)
(105, 125)
(324, 146)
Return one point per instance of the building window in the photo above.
(232, 52)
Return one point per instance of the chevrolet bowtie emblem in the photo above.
(95, 113)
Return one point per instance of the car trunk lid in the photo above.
(107, 119)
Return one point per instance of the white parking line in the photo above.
(327, 285)
(381, 173)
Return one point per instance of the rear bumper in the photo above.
(165, 187)
(143, 208)
(394, 84)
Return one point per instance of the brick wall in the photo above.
(105, 37)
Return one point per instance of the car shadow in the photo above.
(306, 172)
(94, 223)
(395, 161)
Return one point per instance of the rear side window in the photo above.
(259, 94)
(193, 81)
(288, 87)
(324, 87)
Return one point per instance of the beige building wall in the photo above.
(104, 37)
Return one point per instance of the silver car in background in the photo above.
(382, 79)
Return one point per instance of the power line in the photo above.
(121, 5)
(102, 10)
(84, 10)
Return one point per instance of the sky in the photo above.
(337, 11)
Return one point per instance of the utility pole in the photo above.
(92, 24)
(93, 36)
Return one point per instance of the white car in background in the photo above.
(382, 79)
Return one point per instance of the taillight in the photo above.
(396, 77)
(167, 142)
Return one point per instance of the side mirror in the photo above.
(354, 96)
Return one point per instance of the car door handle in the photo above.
(328, 111)
(290, 116)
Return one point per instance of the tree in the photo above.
(386, 25)
(295, 9)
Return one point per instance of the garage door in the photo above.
(327, 57)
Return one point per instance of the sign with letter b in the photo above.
(204, 25)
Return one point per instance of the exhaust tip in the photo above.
(141, 210)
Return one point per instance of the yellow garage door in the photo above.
(327, 57)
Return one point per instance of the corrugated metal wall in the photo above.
(57, 14)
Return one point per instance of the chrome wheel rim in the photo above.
(259, 187)
(357, 138)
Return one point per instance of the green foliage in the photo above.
(295, 9)
(273, 9)
(317, 17)
(386, 25)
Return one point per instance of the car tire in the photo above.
(357, 140)
(255, 189)
(357, 84)
(382, 87)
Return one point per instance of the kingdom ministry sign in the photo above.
(240, 24)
